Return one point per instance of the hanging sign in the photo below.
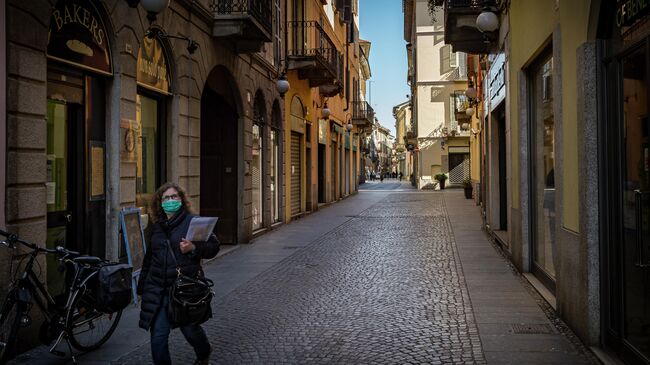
(153, 71)
(77, 36)
(322, 131)
(496, 81)
(628, 11)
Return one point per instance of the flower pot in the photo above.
(468, 193)
(442, 184)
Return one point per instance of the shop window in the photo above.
(274, 176)
(256, 175)
(148, 156)
(542, 146)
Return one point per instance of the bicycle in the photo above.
(79, 321)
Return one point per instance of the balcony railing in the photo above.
(362, 113)
(466, 4)
(460, 18)
(310, 48)
(250, 21)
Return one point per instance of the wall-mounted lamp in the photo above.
(487, 21)
(152, 7)
(325, 112)
(155, 32)
(282, 84)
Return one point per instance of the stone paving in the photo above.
(390, 275)
(384, 287)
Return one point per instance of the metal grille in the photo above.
(258, 9)
(460, 172)
(532, 329)
(308, 39)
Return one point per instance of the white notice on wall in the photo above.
(51, 192)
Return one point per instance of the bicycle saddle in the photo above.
(87, 260)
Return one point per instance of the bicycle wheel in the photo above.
(89, 328)
(9, 324)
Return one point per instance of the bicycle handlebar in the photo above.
(12, 238)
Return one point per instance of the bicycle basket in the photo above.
(114, 287)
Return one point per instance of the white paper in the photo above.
(200, 228)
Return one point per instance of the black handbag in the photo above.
(189, 299)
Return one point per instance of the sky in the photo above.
(382, 23)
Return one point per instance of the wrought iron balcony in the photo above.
(460, 26)
(362, 113)
(313, 54)
(248, 23)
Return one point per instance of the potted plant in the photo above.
(441, 177)
(467, 185)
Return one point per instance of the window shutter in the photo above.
(445, 52)
(453, 58)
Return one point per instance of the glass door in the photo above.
(543, 172)
(634, 251)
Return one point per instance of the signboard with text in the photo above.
(77, 36)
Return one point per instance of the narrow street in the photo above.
(381, 277)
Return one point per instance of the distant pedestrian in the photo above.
(400, 176)
(168, 251)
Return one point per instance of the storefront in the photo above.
(78, 66)
(144, 141)
(542, 134)
(625, 224)
(296, 169)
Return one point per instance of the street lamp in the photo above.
(153, 7)
(325, 113)
(282, 85)
(487, 21)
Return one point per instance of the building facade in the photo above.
(403, 129)
(323, 68)
(105, 102)
(438, 78)
(564, 156)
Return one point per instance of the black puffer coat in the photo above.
(158, 266)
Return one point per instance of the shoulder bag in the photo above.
(189, 298)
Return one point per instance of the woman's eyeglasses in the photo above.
(170, 197)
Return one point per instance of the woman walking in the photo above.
(168, 250)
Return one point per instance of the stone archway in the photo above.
(221, 193)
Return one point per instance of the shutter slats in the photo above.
(296, 179)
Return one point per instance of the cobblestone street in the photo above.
(385, 286)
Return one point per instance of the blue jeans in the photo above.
(160, 329)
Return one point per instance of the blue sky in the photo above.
(382, 23)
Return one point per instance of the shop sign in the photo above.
(322, 131)
(77, 36)
(628, 11)
(496, 81)
(153, 71)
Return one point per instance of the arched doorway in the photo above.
(275, 166)
(257, 161)
(220, 153)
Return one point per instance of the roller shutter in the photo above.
(296, 176)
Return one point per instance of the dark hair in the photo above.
(157, 212)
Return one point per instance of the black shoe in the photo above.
(204, 361)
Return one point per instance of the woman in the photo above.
(168, 249)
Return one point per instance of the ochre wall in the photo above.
(532, 24)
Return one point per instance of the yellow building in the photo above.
(564, 138)
(323, 69)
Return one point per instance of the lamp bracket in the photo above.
(155, 32)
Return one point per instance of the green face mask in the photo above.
(171, 206)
